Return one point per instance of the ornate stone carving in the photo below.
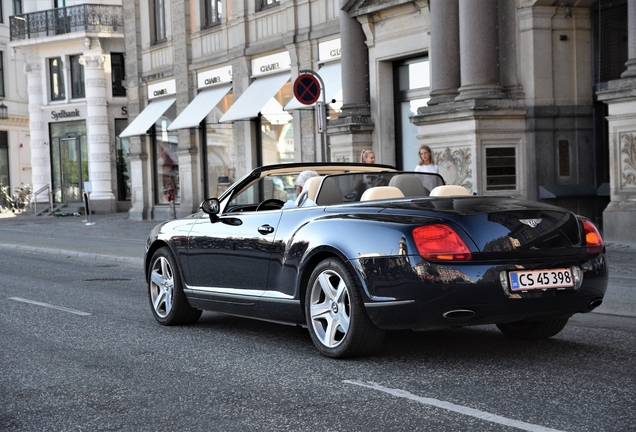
(628, 160)
(96, 101)
(95, 82)
(32, 67)
(96, 139)
(92, 61)
(104, 175)
(97, 120)
(454, 166)
(99, 157)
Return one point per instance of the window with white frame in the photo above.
(56, 79)
(118, 74)
(501, 168)
(213, 12)
(412, 90)
(78, 90)
(159, 21)
(2, 94)
(266, 4)
(4, 159)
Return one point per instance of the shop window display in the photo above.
(166, 160)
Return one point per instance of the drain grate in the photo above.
(107, 280)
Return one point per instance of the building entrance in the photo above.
(69, 159)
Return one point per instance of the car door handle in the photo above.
(266, 229)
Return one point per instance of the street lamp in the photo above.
(4, 111)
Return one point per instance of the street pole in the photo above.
(321, 113)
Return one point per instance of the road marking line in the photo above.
(73, 311)
(455, 408)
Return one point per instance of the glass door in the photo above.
(412, 88)
(70, 159)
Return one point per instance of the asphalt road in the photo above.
(80, 351)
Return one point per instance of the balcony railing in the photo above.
(87, 17)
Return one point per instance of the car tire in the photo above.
(168, 303)
(532, 330)
(338, 323)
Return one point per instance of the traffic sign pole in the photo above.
(318, 111)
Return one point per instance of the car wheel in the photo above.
(167, 300)
(533, 329)
(338, 323)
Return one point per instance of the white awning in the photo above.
(250, 103)
(331, 77)
(199, 108)
(147, 117)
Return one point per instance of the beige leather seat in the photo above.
(381, 192)
(311, 186)
(410, 185)
(449, 190)
(329, 192)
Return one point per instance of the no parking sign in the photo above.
(307, 89)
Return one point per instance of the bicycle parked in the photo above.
(19, 201)
(22, 197)
(6, 200)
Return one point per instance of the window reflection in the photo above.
(166, 160)
(277, 131)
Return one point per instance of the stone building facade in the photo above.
(213, 79)
(73, 55)
(529, 98)
(15, 152)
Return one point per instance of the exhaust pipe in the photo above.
(459, 314)
(595, 303)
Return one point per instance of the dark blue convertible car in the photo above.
(365, 249)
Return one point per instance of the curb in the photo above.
(96, 258)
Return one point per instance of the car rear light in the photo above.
(593, 240)
(439, 242)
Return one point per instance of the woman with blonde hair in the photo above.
(367, 156)
(426, 163)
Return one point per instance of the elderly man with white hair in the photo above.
(300, 183)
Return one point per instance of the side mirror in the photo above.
(211, 206)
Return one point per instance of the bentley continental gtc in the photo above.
(365, 249)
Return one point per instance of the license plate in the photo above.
(541, 279)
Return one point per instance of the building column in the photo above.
(190, 174)
(631, 40)
(479, 50)
(620, 97)
(97, 134)
(444, 54)
(355, 66)
(140, 175)
(351, 132)
(40, 151)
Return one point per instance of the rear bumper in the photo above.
(428, 296)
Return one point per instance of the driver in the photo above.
(300, 182)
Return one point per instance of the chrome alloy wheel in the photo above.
(162, 286)
(330, 308)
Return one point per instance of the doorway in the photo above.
(69, 161)
(70, 168)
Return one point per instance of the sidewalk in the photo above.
(112, 239)
(115, 238)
